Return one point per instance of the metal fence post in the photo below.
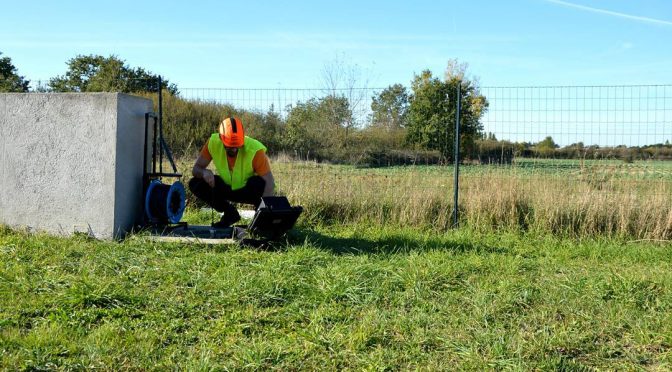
(160, 87)
(456, 186)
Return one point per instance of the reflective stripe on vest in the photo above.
(242, 170)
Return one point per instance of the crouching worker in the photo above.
(244, 172)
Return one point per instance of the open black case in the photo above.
(273, 218)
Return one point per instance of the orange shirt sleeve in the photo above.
(205, 152)
(261, 164)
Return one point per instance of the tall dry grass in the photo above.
(570, 206)
(579, 206)
(608, 204)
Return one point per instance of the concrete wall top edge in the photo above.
(75, 94)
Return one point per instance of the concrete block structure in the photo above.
(72, 162)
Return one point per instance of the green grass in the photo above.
(560, 266)
(337, 297)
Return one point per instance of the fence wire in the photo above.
(616, 138)
(282, 100)
(583, 160)
(589, 158)
(636, 115)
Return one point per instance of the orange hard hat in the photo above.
(231, 132)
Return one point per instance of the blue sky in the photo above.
(269, 44)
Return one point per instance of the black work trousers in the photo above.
(221, 195)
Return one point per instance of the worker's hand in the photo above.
(209, 177)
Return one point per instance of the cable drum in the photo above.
(165, 203)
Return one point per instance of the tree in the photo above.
(546, 148)
(390, 108)
(431, 115)
(317, 126)
(335, 116)
(265, 127)
(298, 137)
(10, 81)
(95, 73)
(344, 82)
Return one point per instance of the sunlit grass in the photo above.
(340, 297)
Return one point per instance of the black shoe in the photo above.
(227, 220)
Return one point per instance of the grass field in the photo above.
(549, 272)
(336, 297)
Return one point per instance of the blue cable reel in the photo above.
(165, 203)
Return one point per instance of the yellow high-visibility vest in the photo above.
(242, 170)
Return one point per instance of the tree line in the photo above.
(405, 126)
(492, 151)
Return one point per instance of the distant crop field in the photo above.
(522, 166)
(615, 168)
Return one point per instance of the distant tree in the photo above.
(317, 126)
(299, 135)
(10, 81)
(431, 115)
(491, 151)
(390, 108)
(94, 73)
(546, 148)
(344, 82)
(266, 128)
(522, 149)
(335, 115)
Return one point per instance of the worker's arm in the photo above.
(200, 170)
(262, 168)
(270, 184)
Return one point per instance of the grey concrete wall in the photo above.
(128, 196)
(72, 162)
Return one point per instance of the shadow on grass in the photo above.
(387, 244)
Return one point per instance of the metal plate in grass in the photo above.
(195, 234)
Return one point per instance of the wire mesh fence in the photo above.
(606, 116)
(579, 122)
(577, 159)
(619, 134)
(281, 101)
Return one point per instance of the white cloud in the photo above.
(611, 13)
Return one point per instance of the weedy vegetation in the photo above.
(570, 198)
